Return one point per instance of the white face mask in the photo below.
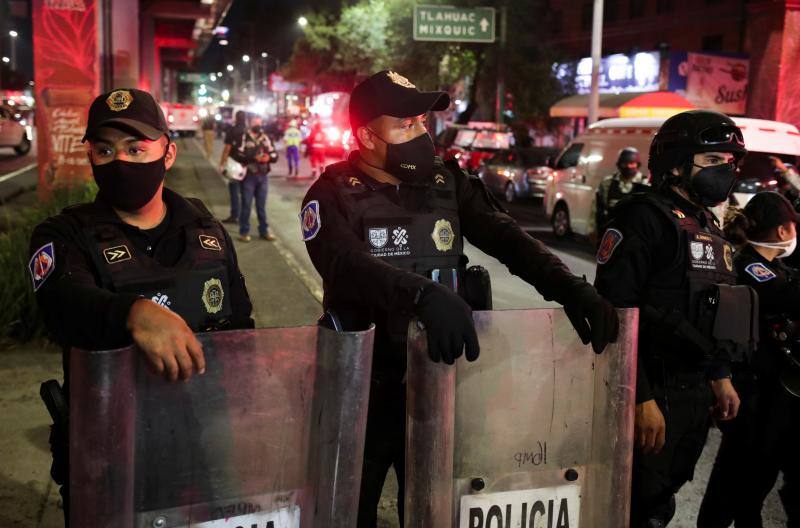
(788, 247)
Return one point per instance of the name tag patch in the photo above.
(760, 272)
(42, 264)
(702, 252)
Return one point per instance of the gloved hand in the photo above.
(448, 320)
(603, 325)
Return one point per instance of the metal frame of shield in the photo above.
(273, 431)
(537, 432)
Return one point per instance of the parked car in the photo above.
(592, 155)
(518, 172)
(13, 134)
(470, 145)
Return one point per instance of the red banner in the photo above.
(66, 81)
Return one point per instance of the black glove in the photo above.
(448, 320)
(603, 325)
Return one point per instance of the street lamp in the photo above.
(13, 34)
(223, 42)
(229, 67)
(245, 58)
(219, 74)
(302, 21)
(264, 54)
(6, 60)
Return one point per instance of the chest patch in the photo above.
(117, 254)
(611, 239)
(213, 294)
(310, 220)
(42, 264)
(760, 272)
(209, 242)
(443, 235)
(389, 241)
(703, 252)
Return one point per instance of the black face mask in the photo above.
(255, 130)
(712, 185)
(627, 172)
(411, 161)
(126, 185)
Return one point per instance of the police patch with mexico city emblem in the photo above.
(380, 237)
(119, 100)
(443, 235)
(728, 257)
(611, 239)
(42, 264)
(213, 294)
(702, 253)
(760, 272)
(310, 220)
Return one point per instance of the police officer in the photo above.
(664, 253)
(385, 230)
(614, 187)
(763, 439)
(292, 138)
(141, 263)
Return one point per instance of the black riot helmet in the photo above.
(626, 156)
(688, 133)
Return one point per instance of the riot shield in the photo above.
(271, 436)
(537, 433)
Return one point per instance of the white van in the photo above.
(593, 155)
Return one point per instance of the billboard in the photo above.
(65, 71)
(714, 81)
(619, 73)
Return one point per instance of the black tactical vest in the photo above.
(196, 287)
(615, 193)
(426, 239)
(689, 287)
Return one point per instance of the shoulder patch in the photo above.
(611, 239)
(759, 272)
(310, 220)
(42, 264)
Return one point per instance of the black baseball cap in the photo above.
(129, 109)
(770, 209)
(389, 93)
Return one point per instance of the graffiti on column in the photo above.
(65, 73)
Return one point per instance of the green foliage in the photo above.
(366, 36)
(20, 319)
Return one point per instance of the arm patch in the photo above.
(611, 239)
(310, 220)
(759, 272)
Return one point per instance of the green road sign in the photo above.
(190, 77)
(454, 24)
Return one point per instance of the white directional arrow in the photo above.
(484, 24)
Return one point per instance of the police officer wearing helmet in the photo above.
(763, 439)
(141, 264)
(385, 230)
(615, 187)
(664, 253)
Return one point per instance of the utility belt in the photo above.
(473, 284)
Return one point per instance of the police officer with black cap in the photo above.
(385, 230)
(141, 263)
(762, 441)
(614, 187)
(664, 253)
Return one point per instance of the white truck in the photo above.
(183, 119)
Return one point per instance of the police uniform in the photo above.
(88, 267)
(667, 256)
(611, 190)
(763, 439)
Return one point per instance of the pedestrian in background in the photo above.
(234, 141)
(257, 155)
(292, 139)
(614, 187)
(208, 134)
(315, 149)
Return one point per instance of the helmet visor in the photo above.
(720, 135)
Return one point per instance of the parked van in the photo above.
(183, 119)
(592, 156)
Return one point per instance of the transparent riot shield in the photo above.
(537, 433)
(271, 436)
